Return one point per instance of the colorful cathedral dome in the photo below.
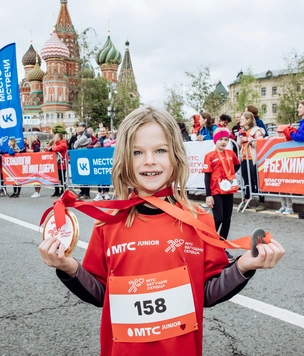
(108, 54)
(36, 73)
(54, 48)
(29, 57)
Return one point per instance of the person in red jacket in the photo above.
(150, 272)
(60, 146)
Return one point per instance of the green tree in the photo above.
(124, 103)
(213, 103)
(291, 89)
(175, 102)
(59, 128)
(198, 89)
(248, 91)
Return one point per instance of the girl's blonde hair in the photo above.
(15, 146)
(123, 176)
(250, 117)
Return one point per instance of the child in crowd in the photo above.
(247, 135)
(286, 202)
(139, 268)
(220, 166)
(207, 128)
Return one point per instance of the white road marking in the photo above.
(250, 303)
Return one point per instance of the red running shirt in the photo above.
(146, 248)
(213, 165)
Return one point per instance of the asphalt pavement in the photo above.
(40, 317)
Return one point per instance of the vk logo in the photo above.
(8, 118)
(83, 166)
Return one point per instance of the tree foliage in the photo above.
(248, 92)
(59, 128)
(175, 102)
(124, 103)
(291, 89)
(199, 89)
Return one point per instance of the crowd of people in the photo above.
(83, 138)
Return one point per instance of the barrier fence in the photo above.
(280, 168)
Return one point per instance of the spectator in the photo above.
(236, 128)
(206, 127)
(184, 132)
(82, 141)
(59, 146)
(195, 121)
(254, 110)
(249, 132)
(297, 134)
(12, 150)
(34, 146)
(286, 202)
(223, 122)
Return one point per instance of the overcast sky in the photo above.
(169, 37)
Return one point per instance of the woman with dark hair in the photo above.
(207, 127)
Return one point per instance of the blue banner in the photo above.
(10, 106)
(92, 166)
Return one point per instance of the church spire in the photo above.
(126, 75)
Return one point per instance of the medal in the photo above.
(225, 185)
(67, 234)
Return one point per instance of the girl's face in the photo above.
(151, 161)
(243, 121)
(202, 121)
(222, 143)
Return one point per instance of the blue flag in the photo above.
(10, 106)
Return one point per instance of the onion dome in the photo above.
(108, 54)
(54, 48)
(36, 73)
(29, 58)
(87, 70)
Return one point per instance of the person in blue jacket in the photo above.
(207, 127)
(298, 135)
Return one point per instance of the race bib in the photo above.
(152, 307)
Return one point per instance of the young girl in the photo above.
(248, 133)
(220, 166)
(34, 146)
(151, 273)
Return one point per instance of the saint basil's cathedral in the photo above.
(48, 95)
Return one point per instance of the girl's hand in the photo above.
(57, 259)
(200, 138)
(210, 202)
(269, 256)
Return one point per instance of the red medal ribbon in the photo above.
(205, 232)
(69, 200)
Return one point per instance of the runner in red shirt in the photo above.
(220, 166)
(150, 272)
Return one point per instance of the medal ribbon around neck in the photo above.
(227, 170)
(205, 232)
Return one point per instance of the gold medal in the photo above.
(67, 234)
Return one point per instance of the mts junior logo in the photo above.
(116, 249)
(83, 166)
(138, 332)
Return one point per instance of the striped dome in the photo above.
(108, 54)
(54, 48)
(36, 73)
(29, 57)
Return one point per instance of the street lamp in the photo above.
(111, 114)
(111, 109)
